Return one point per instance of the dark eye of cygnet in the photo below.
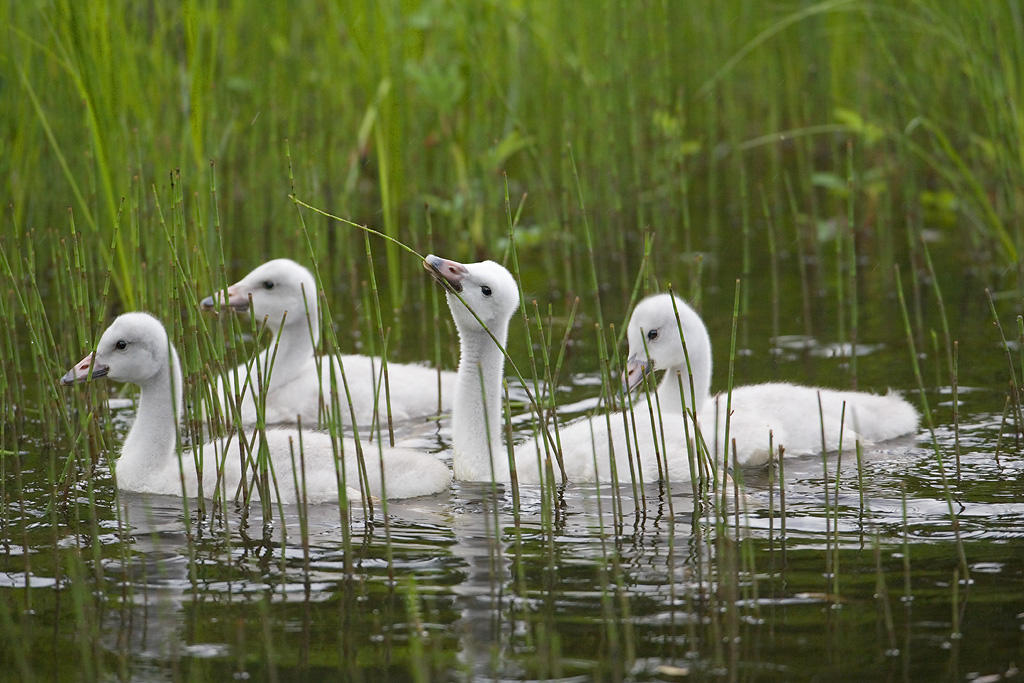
(652, 335)
(486, 290)
(121, 345)
(267, 284)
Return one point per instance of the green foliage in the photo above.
(390, 106)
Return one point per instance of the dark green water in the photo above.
(457, 586)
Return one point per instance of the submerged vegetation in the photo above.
(835, 185)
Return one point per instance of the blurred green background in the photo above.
(684, 119)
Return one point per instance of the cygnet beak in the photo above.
(636, 370)
(80, 372)
(238, 300)
(448, 273)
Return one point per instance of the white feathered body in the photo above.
(653, 440)
(309, 473)
(293, 382)
(788, 415)
(305, 391)
(764, 416)
(307, 465)
(620, 446)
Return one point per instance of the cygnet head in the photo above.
(133, 349)
(654, 340)
(486, 287)
(280, 290)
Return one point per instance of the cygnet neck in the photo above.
(670, 400)
(698, 353)
(296, 344)
(476, 415)
(151, 443)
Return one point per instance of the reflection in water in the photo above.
(584, 581)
